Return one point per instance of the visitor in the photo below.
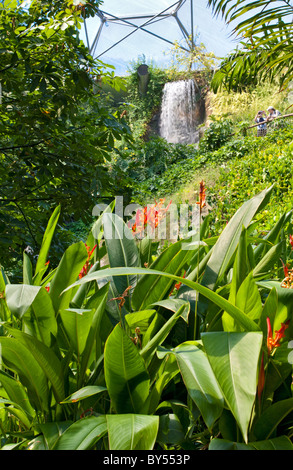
(262, 127)
(273, 112)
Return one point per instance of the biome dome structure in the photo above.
(124, 31)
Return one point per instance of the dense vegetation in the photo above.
(120, 339)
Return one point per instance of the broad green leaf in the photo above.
(46, 359)
(46, 243)
(152, 289)
(200, 381)
(285, 302)
(171, 431)
(150, 347)
(167, 371)
(227, 243)
(84, 392)
(248, 298)
(126, 376)
(67, 272)
(174, 305)
(19, 297)
(235, 312)
(234, 358)
(16, 392)
(36, 302)
(52, 431)
(19, 358)
(132, 431)
(77, 324)
(277, 443)
(240, 271)
(98, 302)
(121, 249)
(271, 237)
(95, 234)
(141, 320)
(268, 260)
(42, 314)
(27, 269)
(271, 418)
(13, 409)
(83, 434)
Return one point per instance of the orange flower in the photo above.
(150, 216)
(274, 341)
(86, 267)
(202, 195)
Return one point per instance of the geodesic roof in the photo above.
(124, 31)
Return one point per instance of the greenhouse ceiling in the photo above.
(125, 31)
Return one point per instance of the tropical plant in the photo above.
(176, 361)
(55, 132)
(266, 30)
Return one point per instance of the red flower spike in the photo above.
(202, 195)
(86, 267)
(291, 240)
(274, 341)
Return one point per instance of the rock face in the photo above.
(182, 111)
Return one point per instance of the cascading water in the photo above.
(181, 112)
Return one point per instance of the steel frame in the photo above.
(171, 11)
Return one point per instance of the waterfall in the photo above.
(181, 112)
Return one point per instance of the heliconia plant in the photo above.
(172, 349)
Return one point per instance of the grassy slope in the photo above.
(246, 165)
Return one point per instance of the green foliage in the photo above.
(263, 162)
(84, 358)
(55, 133)
(216, 135)
(266, 33)
(142, 106)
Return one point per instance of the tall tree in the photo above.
(264, 29)
(55, 133)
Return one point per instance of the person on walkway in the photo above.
(273, 112)
(262, 127)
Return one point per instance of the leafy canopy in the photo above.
(55, 133)
(265, 30)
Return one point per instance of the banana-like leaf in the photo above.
(17, 393)
(98, 302)
(132, 431)
(277, 443)
(83, 434)
(152, 289)
(44, 357)
(234, 358)
(34, 301)
(150, 347)
(84, 392)
(67, 272)
(200, 381)
(46, 243)
(77, 324)
(226, 244)
(121, 250)
(126, 376)
(19, 297)
(19, 358)
(271, 418)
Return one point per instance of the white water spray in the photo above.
(180, 112)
